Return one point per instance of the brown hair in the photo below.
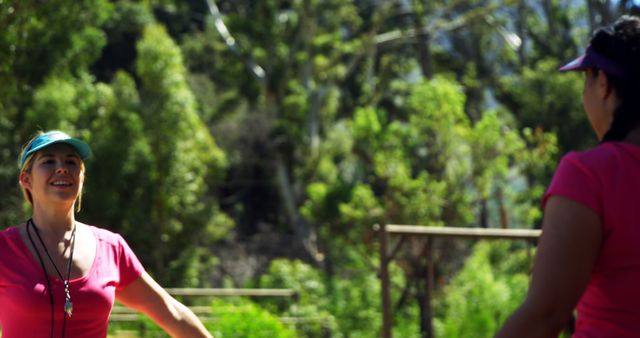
(620, 42)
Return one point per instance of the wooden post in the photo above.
(425, 293)
(385, 284)
(430, 267)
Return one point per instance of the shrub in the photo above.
(243, 319)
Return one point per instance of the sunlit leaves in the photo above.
(545, 98)
(232, 321)
(186, 160)
(489, 287)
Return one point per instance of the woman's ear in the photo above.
(605, 88)
(25, 180)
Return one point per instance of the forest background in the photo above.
(255, 143)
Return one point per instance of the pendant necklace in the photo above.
(68, 306)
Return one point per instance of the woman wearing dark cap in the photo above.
(588, 257)
(60, 277)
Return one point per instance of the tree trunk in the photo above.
(422, 46)
(423, 296)
(484, 213)
(302, 229)
(504, 216)
(522, 32)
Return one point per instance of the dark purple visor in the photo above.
(592, 59)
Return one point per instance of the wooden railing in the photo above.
(120, 313)
(430, 233)
(232, 292)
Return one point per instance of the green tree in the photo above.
(156, 164)
(185, 159)
(430, 168)
(39, 42)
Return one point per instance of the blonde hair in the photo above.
(28, 165)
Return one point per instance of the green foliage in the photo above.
(492, 283)
(312, 301)
(129, 17)
(184, 164)
(396, 170)
(363, 208)
(430, 168)
(166, 166)
(344, 305)
(296, 275)
(494, 144)
(355, 305)
(11, 202)
(544, 98)
(59, 34)
(228, 319)
(246, 320)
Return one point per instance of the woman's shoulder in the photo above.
(603, 149)
(10, 233)
(604, 164)
(10, 240)
(104, 235)
(606, 155)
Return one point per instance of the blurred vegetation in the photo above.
(225, 124)
(490, 286)
(230, 319)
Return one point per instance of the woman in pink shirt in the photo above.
(588, 257)
(60, 277)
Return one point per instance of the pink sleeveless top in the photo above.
(25, 309)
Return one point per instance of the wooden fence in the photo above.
(120, 313)
(430, 232)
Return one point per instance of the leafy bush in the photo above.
(237, 318)
(246, 320)
(489, 287)
(312, 303)
(347, 304)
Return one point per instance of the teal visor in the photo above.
(55, 137)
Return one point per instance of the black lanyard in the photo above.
(68, 307)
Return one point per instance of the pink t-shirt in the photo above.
(607, 180)
(25, 309)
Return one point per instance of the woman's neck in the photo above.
(53, 223)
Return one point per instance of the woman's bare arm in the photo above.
(567, 251)
(148, 297)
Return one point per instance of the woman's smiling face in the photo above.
(57, 175)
